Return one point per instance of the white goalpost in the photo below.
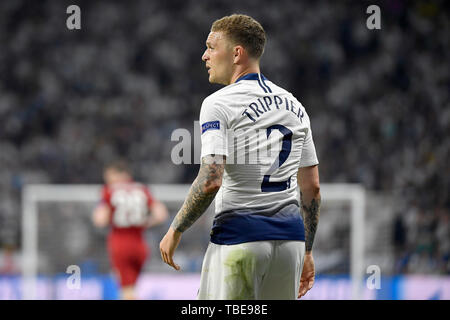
(173, 194)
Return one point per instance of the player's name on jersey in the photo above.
(269, 103)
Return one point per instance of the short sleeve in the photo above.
(213, 129)
(309, 156)
(149, 196)
(105, 196)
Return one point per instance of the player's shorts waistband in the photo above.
(238, 227)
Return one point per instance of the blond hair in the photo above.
(119, 165)
(243, 30)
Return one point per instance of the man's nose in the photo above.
(205, 55)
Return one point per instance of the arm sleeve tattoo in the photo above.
(311, 213)
(201, 193)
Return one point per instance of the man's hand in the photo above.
(308, 274)
(158, 214)
(168, 245)
(101, 215)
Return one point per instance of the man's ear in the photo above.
(239, 54)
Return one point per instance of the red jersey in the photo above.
(129, 203)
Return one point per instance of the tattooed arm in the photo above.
(201, 193)
(308, 181)
(200, 196)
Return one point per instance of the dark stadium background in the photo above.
(73, 100)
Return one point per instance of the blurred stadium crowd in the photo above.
(70, 101)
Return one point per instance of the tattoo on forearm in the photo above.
(311, 213)
(201, 193)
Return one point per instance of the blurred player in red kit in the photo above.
(129, 208)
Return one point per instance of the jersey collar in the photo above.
(251, 76)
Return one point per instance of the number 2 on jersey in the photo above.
(267, 185)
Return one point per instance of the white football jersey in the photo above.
(265, 134)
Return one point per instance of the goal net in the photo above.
(57, 233)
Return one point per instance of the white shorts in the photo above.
(257, 270)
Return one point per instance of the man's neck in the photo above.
(243, 71)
